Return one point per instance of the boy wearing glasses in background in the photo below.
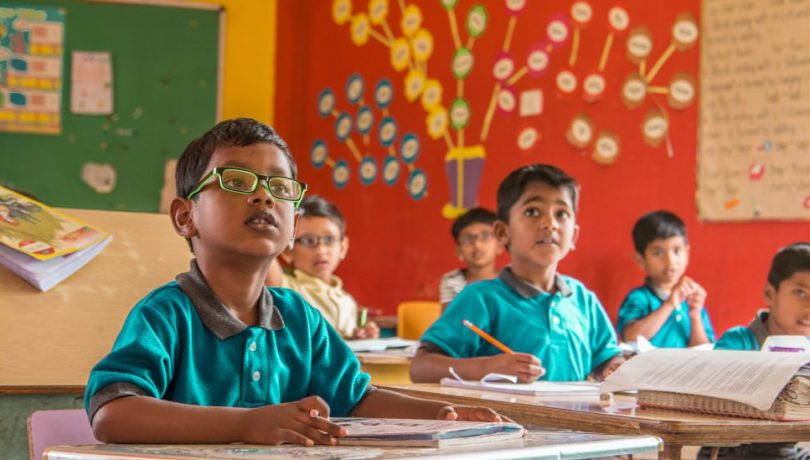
(476, 247)
(215, 356)
(320, 245)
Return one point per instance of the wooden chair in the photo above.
(414, 317)
(47, 428)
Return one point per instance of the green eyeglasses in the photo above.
(245, 181)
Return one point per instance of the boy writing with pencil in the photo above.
(539, 323)
(320, 245)
(669, 308)
(787, 298)
(215, 356)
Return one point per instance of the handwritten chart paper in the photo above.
(91, 83)
(31, 48)
(754, 141)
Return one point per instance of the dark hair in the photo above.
(515, 184)
(238, 132)
(656, 225)
(316, 206)
(788, 261)
(473, 216)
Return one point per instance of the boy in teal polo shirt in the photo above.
(787, 296)
(215, 357)
(556, 327)
(668, 309)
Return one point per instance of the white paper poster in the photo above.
(91, 83)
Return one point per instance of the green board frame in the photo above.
(166, 91)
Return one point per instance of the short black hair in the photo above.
(788, 261)
(238, 132)
(316, 206)
(516, 182)
(656, 225)
(473, 216)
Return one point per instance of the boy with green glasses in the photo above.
(215, 357)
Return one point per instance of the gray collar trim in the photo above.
(528, 290)
(758, 326)
(213, 313)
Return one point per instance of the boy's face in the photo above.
(477, 246)
(541, 229)
(665, 260)
(226, 225)
(319, 247)
(789, 306)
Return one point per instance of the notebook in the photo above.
(42, 245)
(387, 343)
(423, 433)
(503, 383)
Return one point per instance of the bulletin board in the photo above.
(753, 156)
(166, 91)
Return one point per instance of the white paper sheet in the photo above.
(91, 83)
(748, 377)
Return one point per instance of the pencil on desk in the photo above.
(497, 343)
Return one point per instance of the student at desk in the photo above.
(216, 357)
(557, 327)
(787, 296)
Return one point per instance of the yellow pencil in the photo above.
(497, 343)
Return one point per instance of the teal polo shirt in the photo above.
(180, 344)
(568, 330)
(675, 332)
(749, 337)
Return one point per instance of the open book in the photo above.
(508, 384)
(41, 244)
(423, 433)
(772, 386)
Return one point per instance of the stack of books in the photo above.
(42, 245)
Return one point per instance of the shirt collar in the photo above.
(335, 282)
(657, 292)
(528, 290)
(213, 313)
(758, 326)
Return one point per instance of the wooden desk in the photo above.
(677, 429)
(541, 444)
(390, 367)
(52, 339)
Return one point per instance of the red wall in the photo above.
(400, 246)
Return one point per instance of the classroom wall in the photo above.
(401, 246)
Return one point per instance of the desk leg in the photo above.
(670, 452)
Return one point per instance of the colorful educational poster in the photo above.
(91, 83)
(31, 49)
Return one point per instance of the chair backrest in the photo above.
(47, 428)
(414, 317)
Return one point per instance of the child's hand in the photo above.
(681, 291)
(304, 422)
(697, 299)
(526, 367)
(609, 367)
(470, 413)
(369, 331)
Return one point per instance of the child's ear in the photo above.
(344, 247)
(501, 230)
(770, 295)
(180, 212)
(575, 237)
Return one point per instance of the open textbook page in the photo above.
(748, 377)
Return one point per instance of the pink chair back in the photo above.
(48, 428)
